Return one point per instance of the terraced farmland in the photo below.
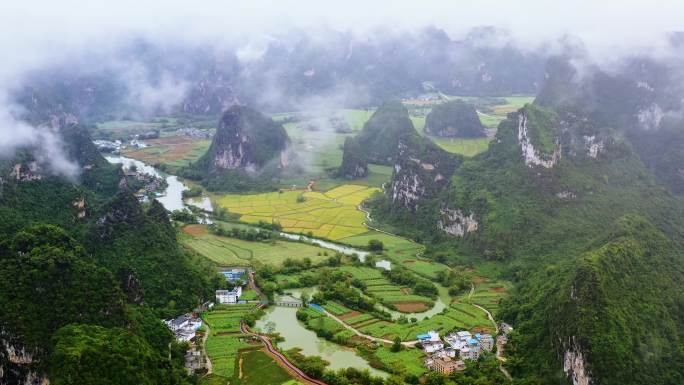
(381, 288)
(487, 295)
(224, 342)
(457, 316)
(332, 215)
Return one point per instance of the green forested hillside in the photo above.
(618, 304)
(83, 267)
(594, 225)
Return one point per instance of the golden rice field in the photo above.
(331, 214)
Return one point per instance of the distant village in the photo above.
(443, 354)
(136, 141)
(446, 355)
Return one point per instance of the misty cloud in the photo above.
(44, 141)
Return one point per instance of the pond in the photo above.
(297, 336)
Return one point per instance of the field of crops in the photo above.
(459, 316)
(332, 215)
(226, 251)
(487, 295)
(257, 368)
(406, 361)
(379, 287)
(226, 318)
(174, 151)
(224, 340)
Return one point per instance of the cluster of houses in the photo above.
(446, 356)
(194, 132)
(184, 326)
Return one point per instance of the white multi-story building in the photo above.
(228, 296)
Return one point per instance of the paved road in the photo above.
(280, 357)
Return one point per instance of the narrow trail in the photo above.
(280, 357)
(499, 347)
(368, 219)
(366, 336)
(208, 364)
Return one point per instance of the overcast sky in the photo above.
(600, 22)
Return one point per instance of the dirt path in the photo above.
(280, 358)
(499, 347)
(253, 286)
(366, 336)
(368, 219)
(208, 364)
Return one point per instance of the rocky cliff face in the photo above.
(246, 140)
(455, 222)
(16, 363)
(531, 155)
(421, 171)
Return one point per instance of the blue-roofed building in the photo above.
(478, 336)
(423, 337)
(233, 274)
(472, 341)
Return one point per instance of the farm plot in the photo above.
(381, 288)
(226, 318)
(457, 316)
(487, 295)
(225, 341)
(332, 215)
(226, 251)
(174, 151)
(257, 368)
(407, 361)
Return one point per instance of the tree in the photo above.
(396, 346)
(375, 245)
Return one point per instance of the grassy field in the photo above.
(332, 215)
(490, 114)
(213, 379)
(257, 368)
(400, 251)
(463, 146)
(319, 146)
(406, 361)
(226, 251)
(173, 151)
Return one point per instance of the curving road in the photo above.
(279, 356)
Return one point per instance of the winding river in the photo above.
(284, 318)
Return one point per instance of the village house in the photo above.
(184, 326)
(229, 296)
(233, 275)
(446, 365)
(486, 341)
